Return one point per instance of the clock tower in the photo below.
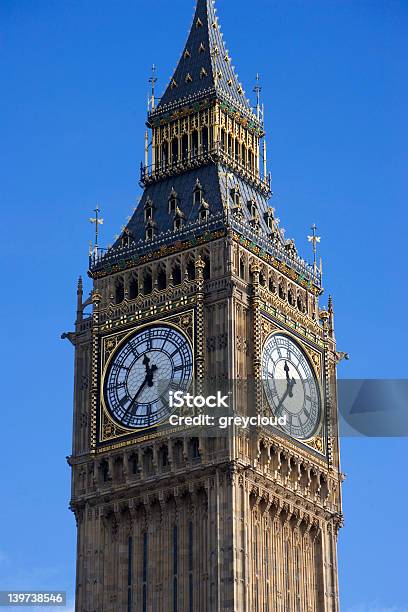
(201, 290)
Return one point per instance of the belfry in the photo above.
(202, 289)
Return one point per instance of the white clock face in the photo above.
(142, 372)
(290, 386)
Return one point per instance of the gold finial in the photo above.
(97, 221)
(314, 239)
(257, 91)
(153, 81)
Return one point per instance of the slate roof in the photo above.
(205, 66)
(212, 179)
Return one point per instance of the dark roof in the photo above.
(212, 179)
(205, 65)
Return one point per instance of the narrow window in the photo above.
(134, 463)
(165, 154)
(133, 288)
(119, 291)
(149, 233)
(175, 569)
(174, 150)
(204, 138)
(176, 275)
(206, 271)
(145, 559)
(194, 143)
(241, 269)
(191, 270)
(161, 280)
(147, 284)
(223, 139)
(184, 146)
(230, 144)
(130, 573)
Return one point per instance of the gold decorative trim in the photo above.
(109, 430)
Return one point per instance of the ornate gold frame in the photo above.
(108, 431)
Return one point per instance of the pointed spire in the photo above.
(205, 67)
(80, 293)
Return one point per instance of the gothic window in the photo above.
(282, 292)
(104, 470)
(119, 291)
(148, 210)
(272, 286)
(184, 146)
(163, 457)
(194, 143)
(236, 150)
(291, 297)
(194, 449)
(223, 139)
(230, 143)
(206, 271)
(172, 202)
(198, 193)
(125, 240)
(191, 270)
(149, 233)
(176, 272)
(148, 461)
(204, 139)
(174, 150)
(147, 283)
(133, 288)
(236, 197)
(269, 218)
(177, 223)
(161, 280)
(165, 153)
(243, 155)
(204, 214)
(178, 452)
(242, 271)
(134, 463)
(252, 209)
(262, 279)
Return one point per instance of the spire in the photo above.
(205, 68)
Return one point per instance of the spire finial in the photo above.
(97, 221)
(257, 91)
(153, 81)
(314, 239)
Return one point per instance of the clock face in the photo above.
(140, 375)
(291, 386)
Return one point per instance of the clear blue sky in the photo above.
(72, 107)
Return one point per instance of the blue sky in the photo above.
(73, 81)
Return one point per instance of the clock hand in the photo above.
(286, 368)
(150, 370)
(284, 396)
(290, 383)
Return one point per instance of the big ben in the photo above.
(202, 291)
